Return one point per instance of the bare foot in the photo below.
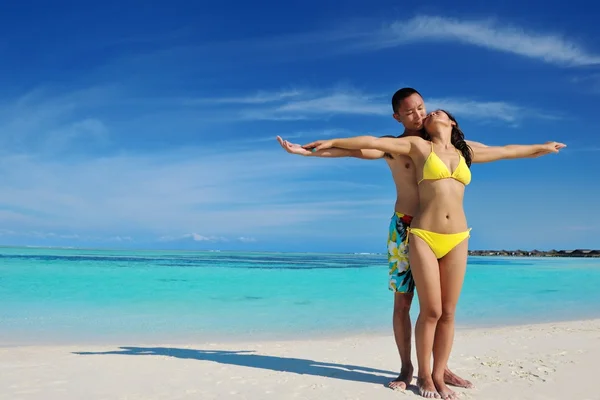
(403, 380)
(444, 391)
(427, 388)
(452, 379)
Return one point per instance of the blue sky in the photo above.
(146, 125)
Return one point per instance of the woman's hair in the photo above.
(457, 139)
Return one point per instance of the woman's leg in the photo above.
(425, 269)
(452, 273)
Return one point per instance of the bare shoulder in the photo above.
(413, 140)
(410, 144)
(419, 145)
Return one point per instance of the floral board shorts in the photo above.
(401, 279)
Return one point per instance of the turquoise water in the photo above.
(58, 294)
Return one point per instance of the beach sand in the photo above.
(549, 361)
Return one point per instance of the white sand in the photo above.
(551, 361)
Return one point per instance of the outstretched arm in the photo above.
(365, 154)
(473, 144)
(402, 146)
(512, 151)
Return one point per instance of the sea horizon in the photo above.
(258, 251)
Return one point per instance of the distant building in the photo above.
(537, 253)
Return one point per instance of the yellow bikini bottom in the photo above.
(440, 243)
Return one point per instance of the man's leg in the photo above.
(402, 335)
(452, 379)
(402, 284)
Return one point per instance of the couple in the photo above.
(429, 214)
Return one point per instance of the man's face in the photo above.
(411, 112)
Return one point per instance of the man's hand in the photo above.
(319, 145)
(293, 148)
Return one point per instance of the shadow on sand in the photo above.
(251, 360)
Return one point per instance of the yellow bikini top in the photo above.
(435, 169)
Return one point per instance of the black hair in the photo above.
(397, 98)
(400, 95)
(457, 139)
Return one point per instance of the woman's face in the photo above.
(437, 117)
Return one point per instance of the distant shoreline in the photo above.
(536, 253)
(577, 253)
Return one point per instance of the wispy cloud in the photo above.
(260, 97)
(37, 234)
(206, 62)
(43, 121)
(322, 104)
(589, 82)
(251, 193)
(327, 132)
(193, 236)
(498, 110)
(49, 236)
(583, 149)
(120, 238)
(486, 33)
(344, 102)
(194, 193)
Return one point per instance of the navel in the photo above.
(407, 165)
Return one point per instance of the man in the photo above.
(409, 110)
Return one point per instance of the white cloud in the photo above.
(584, 149)
(294, 135)
(39, 121)
(324, 104)
(203, 193)
(588, 83)
(499, 110)
(211, 195)
(487, 33)
(50, 236)
(120, 238)
(258, 98)
(193, 236)
(337, 103)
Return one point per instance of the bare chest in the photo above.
(403, 169)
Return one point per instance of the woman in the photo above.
(439, 232)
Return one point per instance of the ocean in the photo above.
(75, 295)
